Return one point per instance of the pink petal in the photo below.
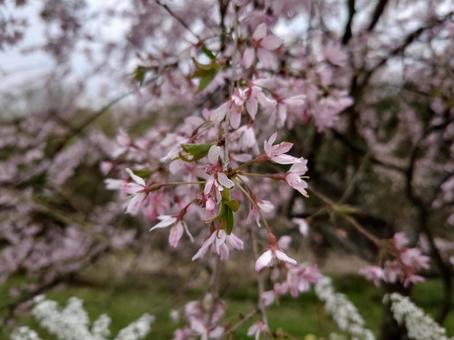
(300, 167)
(267, 145)
(214, 154)
(220, 240)
(284, 258)
(165, 222)
(264, 260)
(235, 118)
(260, 32)
(295, 100)
(282, 113)
(284, 159)
(208, 185)
(252, 107)
(266, 57)
(225, 181)
(134, 204)
(281, 148)
(203, 249)
(176, 232)
(248, 57)
(271, 42)
(135, 178)
(218, 114)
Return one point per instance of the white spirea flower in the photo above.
(136, 330)
(419, 325)
(24, 333)
(72, 323)
(343, 312)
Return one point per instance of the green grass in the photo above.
(125, 302)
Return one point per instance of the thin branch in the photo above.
(378, 11)
(348, 26)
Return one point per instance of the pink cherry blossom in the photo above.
(270, 257)
(176, 231)
(293, 176)
(277, 153)
(263, 46)
(217, 179)
(257, 329)
(136, 191)
(220, 243)
(373, 273)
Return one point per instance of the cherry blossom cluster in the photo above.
(198, 172)
(203, 318)
(404, 266)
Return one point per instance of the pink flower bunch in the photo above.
(191, 173)
(405, 266)
(203, 320)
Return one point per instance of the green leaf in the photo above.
(139, 74)
(197, 151)
(233, 204)
(206, 79)
(143, 173)
(229, 218)
(205, 73)
(225, 194)
(208, 53)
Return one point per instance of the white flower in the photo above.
(343, 312)
(419, 325)
(72, 323)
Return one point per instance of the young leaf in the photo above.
(229, 218)
(197, 151)
(139, 74)
(233, 204)
(208, 53)
(206, 79)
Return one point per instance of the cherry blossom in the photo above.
(277, 153)
(293, 176)
(220, 243)
(263, 46)
(270, 257)
(257, 329)
(137, 191)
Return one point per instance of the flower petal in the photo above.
(271, 42)
(225, 181)
(260, 32)
(135, 178)
(166, 221)
(264, 260)
(284, 258)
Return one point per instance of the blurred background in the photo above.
(75, 73)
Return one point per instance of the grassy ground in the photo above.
(126, 301)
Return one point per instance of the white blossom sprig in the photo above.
(72, 323)
(419, 325)
(343, 312)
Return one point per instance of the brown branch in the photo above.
(348, 26)
(378, 11)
